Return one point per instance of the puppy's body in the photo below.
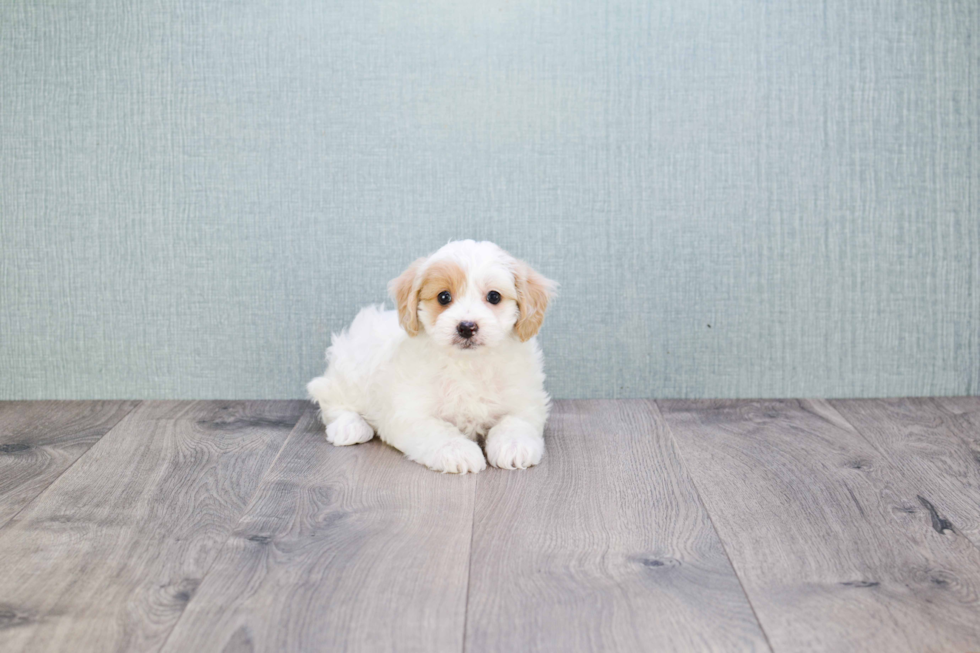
(410, 375)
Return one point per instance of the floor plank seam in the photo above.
(37, 496)
(282, 447)
(469, 567)
(721, 541)
(248, 506)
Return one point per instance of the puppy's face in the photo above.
(470, 296)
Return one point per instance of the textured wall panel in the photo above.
(740, 198)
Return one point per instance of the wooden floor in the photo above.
(650, 526)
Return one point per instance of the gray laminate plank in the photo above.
(936, 445)
(603, 547)
(964, 420)
(41, 439)
(828, 537)
(344, 549)
(107, 558)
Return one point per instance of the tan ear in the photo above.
(405, 291)
(533, 293)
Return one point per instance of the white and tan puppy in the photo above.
(458, 361)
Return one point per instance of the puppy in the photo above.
(458, 361)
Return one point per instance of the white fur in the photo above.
(431, 398)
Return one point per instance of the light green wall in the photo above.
(740, 198)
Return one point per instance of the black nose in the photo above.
(467, 329)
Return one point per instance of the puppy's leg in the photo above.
(514, 443)
(347, 427)
(435, 443)
(344, 425)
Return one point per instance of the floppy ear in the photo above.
(533, 293)
(405, 291)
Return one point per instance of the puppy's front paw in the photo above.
(514, 450)
(457, 456)
(349, 428)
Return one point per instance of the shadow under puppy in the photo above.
(457, 361)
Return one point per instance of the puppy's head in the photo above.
(471, 295)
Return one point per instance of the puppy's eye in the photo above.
(493, 297)
(445, 297)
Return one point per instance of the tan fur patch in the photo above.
(404, 290)
(440, 276)
(533, 293)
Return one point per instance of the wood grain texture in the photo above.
(108, 557)
(603, 547)
(829, 538)
(40, 439)
(936, 445)
(344, 549)
(964, 419)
